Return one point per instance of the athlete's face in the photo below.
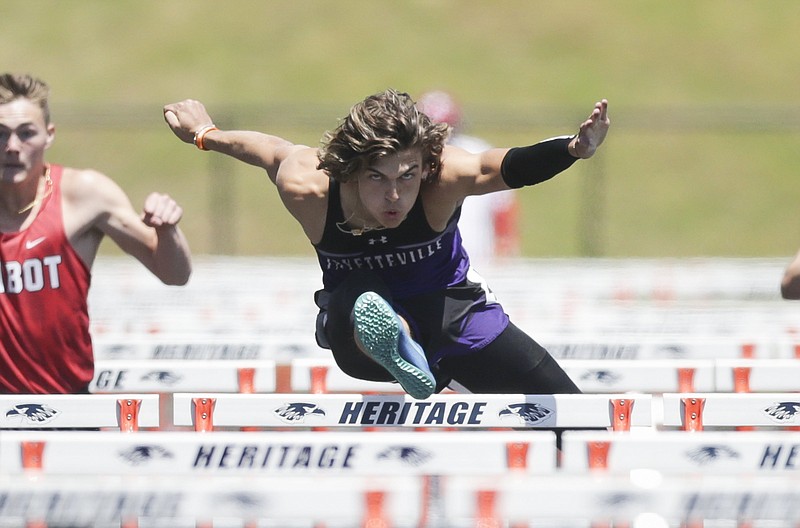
(24, 136)
(389, 187)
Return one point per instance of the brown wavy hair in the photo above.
(382, 124)
(25, 87)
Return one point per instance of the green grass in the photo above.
(701, 160)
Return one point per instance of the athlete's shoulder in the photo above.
(459, 170)
(299, 176)
(80, 184)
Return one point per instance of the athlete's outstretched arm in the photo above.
(790, 284)
(190, 121)
(500, 169)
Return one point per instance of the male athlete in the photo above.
(52, 220)
(380, 201)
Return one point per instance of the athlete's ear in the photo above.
(51, 135)
(425, 173)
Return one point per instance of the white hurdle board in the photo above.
(198, 346)
(285, 453)
(312, 374)
(641, 375)
(712, 409)
(680, 452)
(757, 375)
(113, 376)
(661, 346)
(48, 411)
(564, 500)
(442, 410)
(321, 375)
(607, 499)
(105, 501)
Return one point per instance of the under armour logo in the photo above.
(382, 240)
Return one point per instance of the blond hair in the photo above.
(14, 86)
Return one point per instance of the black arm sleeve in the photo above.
(537, 163)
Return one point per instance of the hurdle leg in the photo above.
(486, 516)
(375, 517)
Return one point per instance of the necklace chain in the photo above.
(342, 226)
(48, 190)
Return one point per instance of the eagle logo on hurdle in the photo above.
(527, 413)
(142, 454)
(711, 453)
(409, 455)
(296, 412)
(165, 377)
(34, 413)
(244, 500)
(672, 351)
(606, 377)
(118, 351)
(783, 412)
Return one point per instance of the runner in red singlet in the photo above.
(52, 220)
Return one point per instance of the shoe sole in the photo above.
(378, 330)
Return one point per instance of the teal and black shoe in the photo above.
(384, 338)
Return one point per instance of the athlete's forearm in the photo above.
(537, 163)
(172, 259)
(253, 148)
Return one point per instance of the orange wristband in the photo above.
(200, 134)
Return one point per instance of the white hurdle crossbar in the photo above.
(757, 375)
(694, 411)
(322, 375)
(677, 452)
(204, 347)
(280, 454)
(169, 376)
(178, 501)
(127, 412)
(641, 375)
(204, 411)
(607, 499)
(559, 500)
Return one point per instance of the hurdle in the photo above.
(149, 376)
(165, 377)
(174, 501)
(676, 346)
(208, 347)
(758, 375)
(676, 452)
(695, 411)
(126, 412)
(641, 375)
(322, 375)
(286, 453)
(557, 500)
(205, 411)
(616, 500)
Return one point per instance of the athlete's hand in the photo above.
(161, 210)
(592, 132)
(186, 117)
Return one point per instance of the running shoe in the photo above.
(384, 338)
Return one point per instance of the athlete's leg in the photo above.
(369, 341)
(338, 326)
(513, 364)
